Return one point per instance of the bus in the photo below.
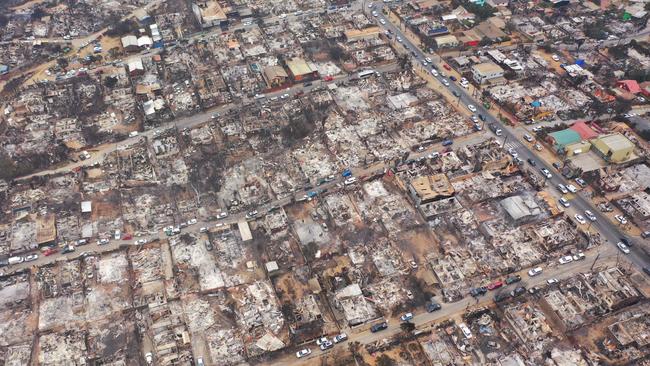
(365, 74)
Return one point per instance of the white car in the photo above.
(535, 271)
(203, 230)
(551, 281)
(284, 96)
(434, 72)
(566, 259)
(579, 256)
(303, 352)
(572, 188)
(374, 13)
(621, 219)
(471, 107)
(590, 215)
(513, 152)
(546, 173)
(406, 317)
(31, 257)
(623, 247)
(579, 218)
(382, 21)
(562, 188)
(399, 39)
(222, 215)
(327, 345)
(444, 82)
(428, 60)
(555, 58)
(102, 241)
(321, 340)
(370, 5)
(537, 128)
(340, 338)
(192, 221)
(528, 137)
(564, 202)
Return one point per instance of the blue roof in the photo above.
(580, 62)
(536, 104)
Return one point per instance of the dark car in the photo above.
(513, 279)
(208, 245)
(481, 117)
(502, 297)
(378, 327)
(455, 93)
(447, 143)
(433, 306)
(531, 162)
(557, 165)
(67, 249)
(646, 270)
(626, 241)
(479, 291)
(518, 291)
(452, 78)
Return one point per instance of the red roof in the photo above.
(585, 132)
(629, 85)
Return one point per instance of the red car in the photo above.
(446, 67)
(328, 78)
(495, 285)
(49, 252)
(127, 237)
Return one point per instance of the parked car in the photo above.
(621, 219)
(495, 285)
(340, 338)
(562, 188)
(447, 142)
(444, 82)
(566, 259)
(579, 256)
(321, 340)
(67, 249)
(31, 257)
(581, 182)
(564, 202)
(535, 271)
(378, 327)
(406, 317)
(471, 108)
(518, 291)
(546, 173)
(512, 279)
(479, 291)
(552, 281)
(303, 352)
(501, 296)
(452, 78)
(528, 137)
(433, 306)
(572, 188)
(533, 290)
(557, 165)
(532, 162)
(327, 345)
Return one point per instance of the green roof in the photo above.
(564, 138)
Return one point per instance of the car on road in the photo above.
(371, 5)
(31, 257)
(537, 129)
(340, 338)
(495, 285)
(444, 82)
(375, 14)
(479, 291)
(531, 162)
(501, 297)
(455, 93)
(621, 219)
(546, 173)
(350, 180)
(533, 290)
(579, 256)
(433, 306)
(102, 241)
(406, 317)
(429, 60)
(447, 143)
(625, 241)
(192, 221)
(434, 72)
(579, 218)
(528, 137)
(623, 248)
(590, 215)
(566, 259)
(303, 352)
(67, 249)
(251, 214)
(203, 230)
(518, 291)
(552, 281)
(399, 39)
(471, 107)
(572, 188)
(284, 96)
(564, 202)
(512, 279)
(452, 78)
(378, 327)
(141, 241)
(535, 271)
(513, 152)
(474, 118)
(562, 188)
(49, 251)
(383, 22)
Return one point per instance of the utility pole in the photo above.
(504, 142)
(591, 269)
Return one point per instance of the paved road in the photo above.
(579, 203)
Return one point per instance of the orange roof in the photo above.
(630, 85)
(585, 132)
